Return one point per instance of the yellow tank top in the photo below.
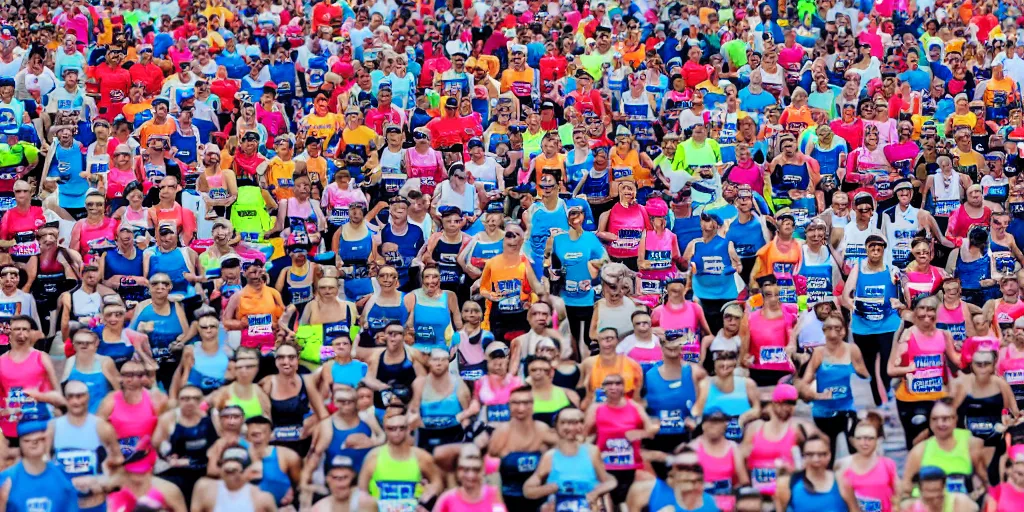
(281, 176)
(541, 162)
(631, 162)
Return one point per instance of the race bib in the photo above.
(773, 355)
(260, 325)
(618, 452)
(288, 433)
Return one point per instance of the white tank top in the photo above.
(391, 160)
(852, 247)
(85, 304)
(903, 225)
(233, 501)
(942, 192)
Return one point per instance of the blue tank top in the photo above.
(575, 476)
(596, 188)
(338, 439)
(408, 246)
(94, 380)
(828, 160)
(819, 279)
(208, 371)
(834, 378)
(173, 264)
(274, 481)
(803, 210)
(283, 74)
(188, 150)
(670, 401)
(803, 499)
(746, 238)
(76, 450)
(515, 468)
(486, 250)
(348, 374)
(120, 351)
(166, 328)
(971, 273)
(873, 312)
(355, 253)
(542, 221)
(792, 177)
(1005, 262)
(686, 230)
(663, 496)
(440, 414)
(734, 404)
(446, 254)
(379, 316)
(115, 264)
(47, 491)
(714, 277)
(431, 319)
(67, 165)
(575, 172)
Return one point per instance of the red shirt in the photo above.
(15, 221)
(114, 83)
(150, 74)
(552, 68)
(323, 13)
(694, 74)
(591, 101)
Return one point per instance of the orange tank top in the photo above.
(624, 366)
(262, 311)
(630, 164)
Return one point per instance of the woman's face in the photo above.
(725, 367)
(865, 439)
(922, 254)
(328, 290)
(342, 346)
(431, 280)
(113, 316)
(771, 296)
(497, 366)
(286, 359)
(627, 192)
(925, 316)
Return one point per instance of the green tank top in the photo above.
(249, 214)
(557, 402)
(395, 482)
(956, 462)
(250, 407)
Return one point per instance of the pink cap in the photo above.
(1016, 453)
(784, 393)
(656, 207)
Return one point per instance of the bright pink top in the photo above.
(125, 500)
(1008, 497)
(924, 283)
(336, 197)
(428, 167)
(15, 378)
(660, 251)
(612, 423)
(763, 454)
(874, 489)
(684, 321)
(453, 500)
(768, 339)
(491, 395)
(628, 224)
(749, 173)
(132, 422)
(1011, 365)
(117, 180)
(719, 475)
(93, 236)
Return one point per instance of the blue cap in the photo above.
(711, 217)
(30, 426)
(525, 188)
(716, 413)
(475, 142)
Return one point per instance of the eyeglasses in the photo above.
(231, 470)
(546, 186)
(190, 398)
(133, 375)
(816, 455)
(24, 190)
(865, 210)
(75, 395)
(93, 204)
(160, 282)
(209, 326)
(82, 343)
(396, 428)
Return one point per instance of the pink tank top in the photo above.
(718, 476)
(491, 395)
(95, 236)
(647, 357)
(680, 322)
(340, 198)
(125, 500)
(659, 250)
(628, 224)
(117, 180)
(1007, 313)
(1008, 498)
(424, 167)
(763, 455)
(1011, 367)
(138, 218)
(873, 489)
(612, 423)
(454, 501)
(132, 422)
(929, 358)
(768, 338)
(923, 283)
(16, 378)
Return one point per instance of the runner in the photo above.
(954, 452)
(293, 408)
(518, 446)
(816, 487)
(685, 492)
(873, 479)
(442, 402)
(392, 473)
(189, 433)
(232, 491)
(596, 368)
(735, 395)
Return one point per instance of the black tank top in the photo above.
(191, 443)
(401, 374)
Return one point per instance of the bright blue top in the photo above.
(45, 492)
(670, 401)
(431, 319)
(574, 256)
(873, 312)
(575, 476)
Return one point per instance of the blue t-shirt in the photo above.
(48, 491)
(573, 257)
(918, 79)
(755, 102)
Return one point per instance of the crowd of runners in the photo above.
(563, 256)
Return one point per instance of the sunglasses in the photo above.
(133, 375)
(160, 282)
(510, 235)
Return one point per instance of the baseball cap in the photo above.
(784, 393)
(875, 239)
(497, 349)
(656, 207)
(903, 184)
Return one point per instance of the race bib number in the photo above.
(867, 504)
(25, 244)
(671, 421)
(260, 325)
(498, 413)
(338, 216)
(628, 239)
(956, 484)
(618, 452)
(76, 462)
(946, 207)
(773, 355)
(288, 434)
